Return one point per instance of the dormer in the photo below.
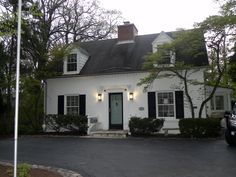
(161, 39)
(75, 61)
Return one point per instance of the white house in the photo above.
(100, 80)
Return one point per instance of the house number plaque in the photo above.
(141, 108)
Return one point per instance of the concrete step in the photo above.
(109, 134)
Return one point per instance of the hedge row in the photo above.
(144, 126)
(199, 128)
(60, 123)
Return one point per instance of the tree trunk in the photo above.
(210, 96)
(188, 96)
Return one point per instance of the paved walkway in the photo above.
(135, 157)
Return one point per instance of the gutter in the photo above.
(45, 105)
(108, 73)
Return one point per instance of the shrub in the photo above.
(75, 124)
(26, 129)
(198, 128)
(22, 170)
(144, 126)
(7, 124)
(55, 122)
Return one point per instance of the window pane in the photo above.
(72, 110)
(170, 98)
(160, 111)
(212, 104)
(219, 101)
(170, 111)
(160, 100)
(71, 66)
(68, 101)
(72, 58)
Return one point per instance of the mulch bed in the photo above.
(34, 172)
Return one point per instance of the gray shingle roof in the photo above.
(105, 56)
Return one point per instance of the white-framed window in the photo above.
(72, 105)
(72, 62)
(172, 57)
(165, 104)
(217, 103)
(168, 59)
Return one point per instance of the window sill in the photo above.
(71, 72)
(163, 65)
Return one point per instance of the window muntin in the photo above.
(165, 102)
(72, 62)
(72, 105)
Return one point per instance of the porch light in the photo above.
(131, 96)
(99, 97)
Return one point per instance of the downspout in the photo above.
(45, 105)
(205, 92)
(206, 113)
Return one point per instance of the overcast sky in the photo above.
(153, 16)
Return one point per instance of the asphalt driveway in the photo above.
(132, 157)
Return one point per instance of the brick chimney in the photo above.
(127, 32)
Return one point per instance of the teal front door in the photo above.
(116, 110)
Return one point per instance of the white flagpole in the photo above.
(17, 85)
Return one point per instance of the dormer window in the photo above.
(75, 61)
(172, 57)
(168, 60)
(72, 62)
(168, 57)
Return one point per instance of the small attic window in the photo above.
(168, 58)
(72, 62)
(172, 57)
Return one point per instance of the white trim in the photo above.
(125, 42)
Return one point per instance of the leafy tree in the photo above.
(232, 68)
(232, 73)
(3, 120)
(185, 44)
(86, 20)
(8, 40)
(219, 33)
(46, 27)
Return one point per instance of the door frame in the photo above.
(118, 126)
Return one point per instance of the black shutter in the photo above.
(152, 104)
(82, 105)
(60, 105)
(179, 104)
